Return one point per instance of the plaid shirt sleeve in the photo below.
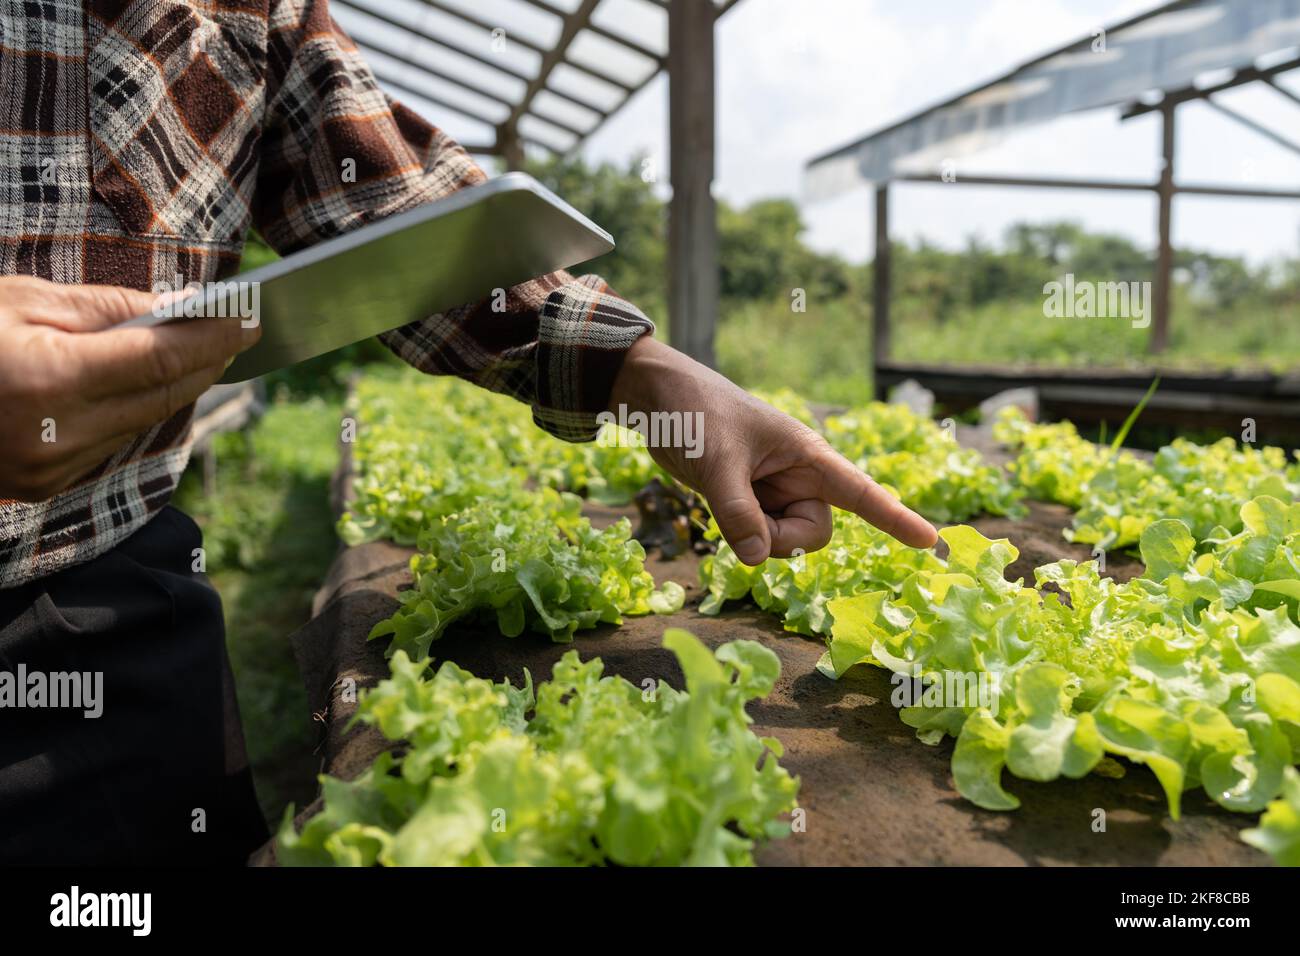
(558, 343)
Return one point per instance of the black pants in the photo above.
(161, 777)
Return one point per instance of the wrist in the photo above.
(646, 368)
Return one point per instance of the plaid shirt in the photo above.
(139, 141)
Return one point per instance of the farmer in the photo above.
(142, 140)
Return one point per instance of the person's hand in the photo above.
(73, 393)
(769, 480)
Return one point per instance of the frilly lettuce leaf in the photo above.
(544, 569)
(590, 770)
(1278, 833)
(931, 473)
(1116, 496)
(1188, 670)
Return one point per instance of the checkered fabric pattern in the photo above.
(139, 141)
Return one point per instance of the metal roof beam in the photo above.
(623, 102)
(1130, 185)
(562, 43)
(1186, 94)
(573, 23)
(365, 10)
(1279, 88)
(436, 74)
(597, 29)
(387, 76)
(1037, 181)
(492, 150)
(393, 54)
(483, 25)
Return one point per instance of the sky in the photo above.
(797, 77)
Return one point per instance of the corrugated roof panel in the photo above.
(547, 103)
(1164, 50)
(642, 22)
(611, 59)
(566, 79)
(515, 17)
(556, 140)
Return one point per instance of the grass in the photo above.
(269, 538)
(825, 353)
(1261, 337)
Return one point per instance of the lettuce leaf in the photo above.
(588, 770)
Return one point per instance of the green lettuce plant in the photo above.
(1192, 670)
(860, 557)
(426, 448)
(1117, 494)
(590, 769)
(930, 472)
(542, 568)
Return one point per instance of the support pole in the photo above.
(692, 217)
(509, 147)
(882, 273)
(1165, 251)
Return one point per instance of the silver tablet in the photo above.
(401, 269)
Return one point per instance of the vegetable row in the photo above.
(1192, 670)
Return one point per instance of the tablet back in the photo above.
(399, 270)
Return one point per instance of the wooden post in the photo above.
(692, 216)
(882, 273)
(509, 147)
(1165, 250)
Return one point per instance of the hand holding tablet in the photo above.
(395, 271)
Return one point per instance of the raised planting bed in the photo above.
(873, 793)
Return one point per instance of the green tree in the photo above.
(621, 202)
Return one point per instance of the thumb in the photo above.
(739, 516)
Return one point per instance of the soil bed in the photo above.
(873, 793)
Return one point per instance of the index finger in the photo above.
(845, 486)
(118, 361)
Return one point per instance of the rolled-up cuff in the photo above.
(584, 333)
